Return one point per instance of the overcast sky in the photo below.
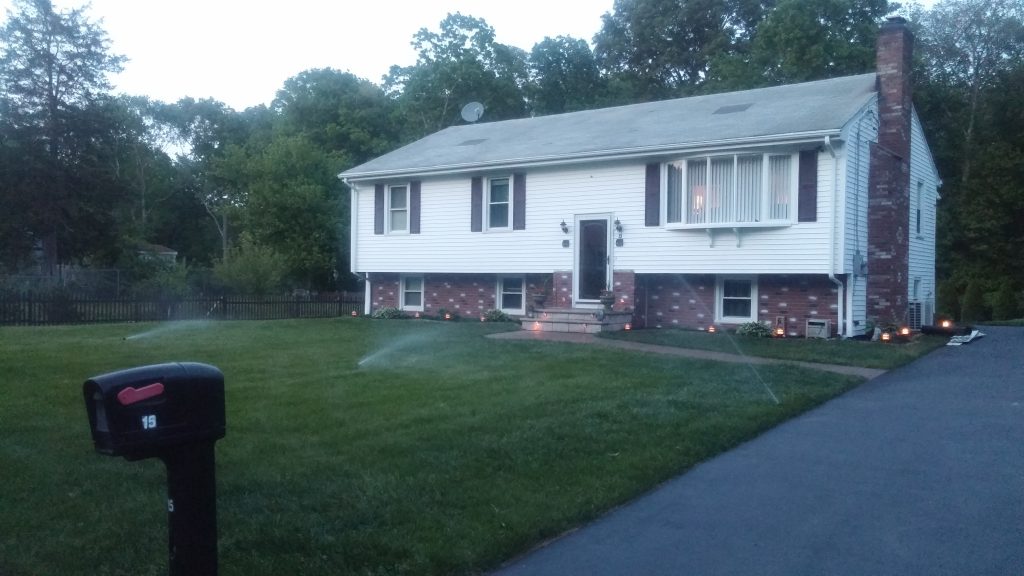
(241, 51)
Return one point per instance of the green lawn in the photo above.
(442, 453)
(835, 351)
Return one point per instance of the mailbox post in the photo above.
(174, 412)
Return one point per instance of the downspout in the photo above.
(841, 299)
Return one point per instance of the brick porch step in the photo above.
(582, 320)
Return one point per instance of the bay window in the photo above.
(739, 189)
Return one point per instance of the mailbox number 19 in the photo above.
(149, 421)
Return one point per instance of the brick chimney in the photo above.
(889, 181)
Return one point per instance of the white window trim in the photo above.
(720, 294)
(763, 221)
(487, 203)
(388, 210)
(498, 300)
(402, 291)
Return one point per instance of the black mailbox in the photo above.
(137, 412)
(174, 412)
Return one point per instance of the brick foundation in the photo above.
(688, 301)
(467, 295)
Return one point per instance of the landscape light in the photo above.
(780, 332)
(447, 315)
(886, 337)
(947, 324)
(905, 331)
(711, 329)
(354, 313)
(628, 326)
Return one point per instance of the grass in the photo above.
(365, 447)
(835, 351)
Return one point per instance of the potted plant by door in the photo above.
(607, 299)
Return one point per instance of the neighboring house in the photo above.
(156, 252)
(811, 201)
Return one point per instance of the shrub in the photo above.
(497, 316)
(973, 307)
(251, 269)
(1004, 302)
(388, 313)
(948, 299)
(754, 329)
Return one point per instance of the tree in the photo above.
(342, 114)
(53, 75)
(802, 40)
(661, 48)
(565, 77)
(968, 43)
(460, 64)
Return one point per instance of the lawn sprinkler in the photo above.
(174, 412)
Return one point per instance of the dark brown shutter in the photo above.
(414, 207)
(519, 201)
(807, 187)
(378, 209)
(652, 196)
(476, 205)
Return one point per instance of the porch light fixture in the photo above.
(618, 230)
(565, 227)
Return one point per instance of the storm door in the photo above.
(592, 258)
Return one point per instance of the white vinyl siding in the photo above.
(858, 134)
(447, 244)
(924, 184)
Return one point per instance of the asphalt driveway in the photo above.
(919, 471)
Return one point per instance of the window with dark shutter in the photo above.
(652, 195)
(476, 205)
(807, 187)
(519, 201)
(414, 207)
(378, 209)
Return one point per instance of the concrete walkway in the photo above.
(578, 338)
(919, 471)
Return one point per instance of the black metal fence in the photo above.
(64, 308)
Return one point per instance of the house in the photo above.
(807, 206)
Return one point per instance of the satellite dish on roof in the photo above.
(472, 112)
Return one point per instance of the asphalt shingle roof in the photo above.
(764, 113)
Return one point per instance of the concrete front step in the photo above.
(580, 320)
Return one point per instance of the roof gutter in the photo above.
(841, 297)
(602, 155)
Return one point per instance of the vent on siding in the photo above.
(733, 109)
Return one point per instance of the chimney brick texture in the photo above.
(889, 180)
